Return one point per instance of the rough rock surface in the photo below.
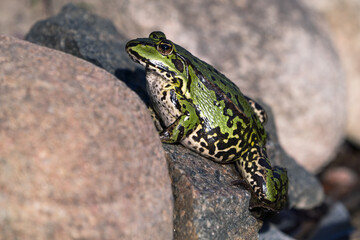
(202, 189)
(79, 157)
(343, 21)
(207, 204)
(274, 50)
(82, 34)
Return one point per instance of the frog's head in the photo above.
(159, 54)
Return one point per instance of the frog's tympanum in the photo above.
(203, 110)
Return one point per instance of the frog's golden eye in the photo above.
(165, 48)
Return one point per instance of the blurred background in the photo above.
(306, 60)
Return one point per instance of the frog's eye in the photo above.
(165, 48)
(157, 35)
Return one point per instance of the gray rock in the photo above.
(207, 204)
(272, 233)
(82, 34)
(92, 38)
(336, 224)
(79, 156)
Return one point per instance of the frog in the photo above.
(200, 108)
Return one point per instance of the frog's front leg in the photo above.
(268, 184)
(183, 125)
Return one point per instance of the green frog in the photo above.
(203, 110)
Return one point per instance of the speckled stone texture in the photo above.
(92, 38)
(79, 156)
(207, 204)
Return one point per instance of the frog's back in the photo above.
(217, 83)
(228, 123)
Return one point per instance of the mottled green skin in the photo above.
(203, 110)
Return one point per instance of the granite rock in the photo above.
(95, 39)
(207, 204)
(79, 156)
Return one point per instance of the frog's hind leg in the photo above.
(267, 184)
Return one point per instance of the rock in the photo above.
(79, 156)
(202, 189)
(336, 222)
(274, 50)
(92, 38)
(339, 182)
(272, 233)
(15, 20)
(347, 41)
(207, 205)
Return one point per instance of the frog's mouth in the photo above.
(149, 64)
(136, 57)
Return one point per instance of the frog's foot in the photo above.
(256, 207)
(243, 183)
(165, 136)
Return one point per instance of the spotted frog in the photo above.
(204, 111)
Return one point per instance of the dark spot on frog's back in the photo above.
(178, 64)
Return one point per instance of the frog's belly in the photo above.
(161, 98)
(166, 111)
(219, 150)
